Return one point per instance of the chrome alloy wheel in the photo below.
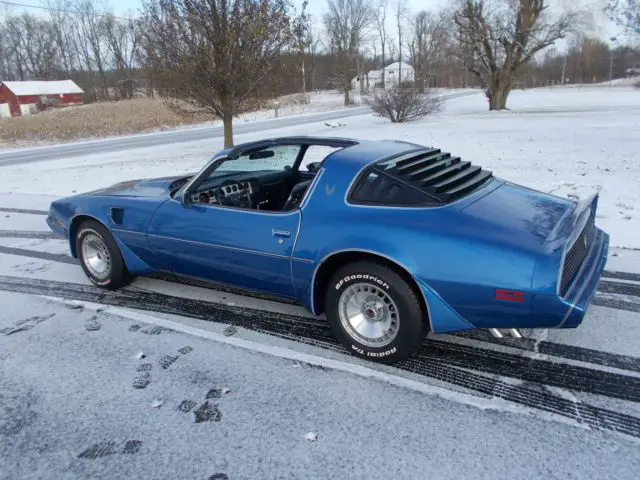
(95, 256)
(369, 315)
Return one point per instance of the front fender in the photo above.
(125, 218)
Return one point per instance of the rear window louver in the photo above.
(438, 174)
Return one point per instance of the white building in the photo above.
(392, 72)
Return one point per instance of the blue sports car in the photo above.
(390, 240)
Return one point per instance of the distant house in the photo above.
(25, 98)
(392, 73)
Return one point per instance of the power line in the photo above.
(55, 9)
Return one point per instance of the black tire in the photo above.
(385, 284)
(117, 275)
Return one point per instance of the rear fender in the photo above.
(442, 317)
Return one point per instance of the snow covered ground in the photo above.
(76, 402)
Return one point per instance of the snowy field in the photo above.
(235, 386)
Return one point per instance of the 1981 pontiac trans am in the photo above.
(390, 240)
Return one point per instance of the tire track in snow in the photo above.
(23, 210)
(54, 257)
(312, 332)
(570, 352)
(27, 234)
(619, 288)
(562, 375)
(623, 275)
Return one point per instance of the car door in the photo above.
(246, 248)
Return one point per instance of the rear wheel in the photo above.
(374, 312)
(100, 256)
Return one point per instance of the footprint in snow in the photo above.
(207, 413)
(144, 367)
(186, 406)
(218, 476)
(167, 360)
(92, 324)
(142, 381)
(104, 449)
(229, 331)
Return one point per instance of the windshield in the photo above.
(276, 158)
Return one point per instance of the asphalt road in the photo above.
(76, 149)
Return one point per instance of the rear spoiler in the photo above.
(574, 219)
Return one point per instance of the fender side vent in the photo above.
(117, 215)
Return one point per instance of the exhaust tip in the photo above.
(496, 333)
(500, 333)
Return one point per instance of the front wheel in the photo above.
(374, 312)
(100, 256)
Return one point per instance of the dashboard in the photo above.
(237, 193)
(253, 190)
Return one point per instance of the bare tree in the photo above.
(400, 104)
(303, 38)
(503, 37)
(313, 47)
(62, 27)
(121, 37)
(429, 43)
(401, 13)
(626, 14)
(381, 21)
(93, 50)
(345, 23)
(217, 53)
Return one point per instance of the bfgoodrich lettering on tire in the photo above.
(374, 312)
(100, 256)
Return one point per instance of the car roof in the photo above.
(353, 151)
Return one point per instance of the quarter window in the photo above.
(379, 189)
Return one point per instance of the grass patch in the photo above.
(97, 120)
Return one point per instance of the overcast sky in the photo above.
(602, 28)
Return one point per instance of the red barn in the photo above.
(24, 98)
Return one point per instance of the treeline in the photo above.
(108, 55)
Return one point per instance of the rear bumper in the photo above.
(584, 287)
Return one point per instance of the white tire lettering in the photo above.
(362, 276)
(386, 353)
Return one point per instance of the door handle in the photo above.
(281, 233)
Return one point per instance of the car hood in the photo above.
(519, 216)
(150, 187)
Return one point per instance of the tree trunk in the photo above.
(346, 87)
(304, 80)
(346, 94)
(419, 73)
(383, 65)
(498, 96)
(227, 121)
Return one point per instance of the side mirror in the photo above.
(183, 198)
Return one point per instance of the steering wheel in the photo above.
(224, 199)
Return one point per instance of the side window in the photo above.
(315, 154)
(379, 189)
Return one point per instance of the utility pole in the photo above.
(613, 39)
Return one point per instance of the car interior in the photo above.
(269, 179)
